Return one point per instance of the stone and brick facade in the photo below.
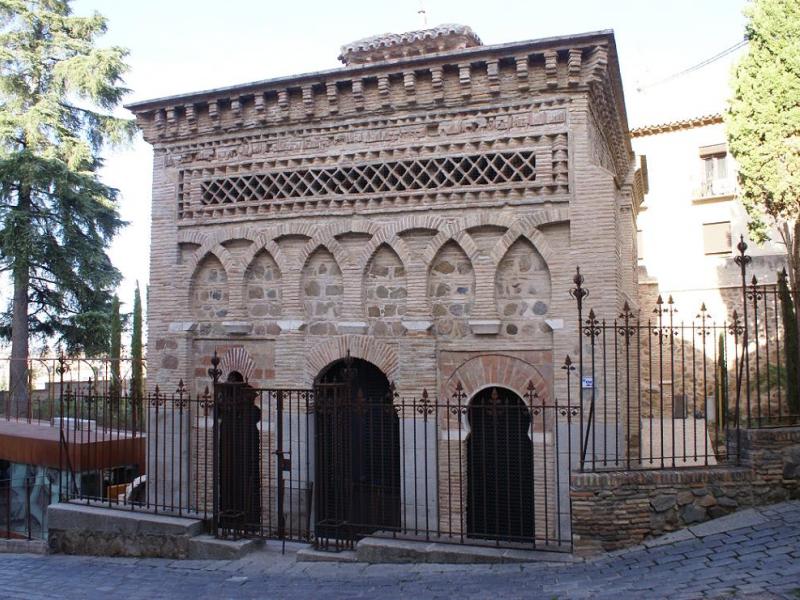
(422, 208)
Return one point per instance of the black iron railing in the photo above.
(664, 386)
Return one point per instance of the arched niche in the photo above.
(209, 294)
(322, 292)
(262, 287)
(385, 292)
(451, 290)
(522, 291)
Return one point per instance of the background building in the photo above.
(691, 219)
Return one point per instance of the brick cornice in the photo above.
(456, 78)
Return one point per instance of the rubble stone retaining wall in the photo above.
(612, 510)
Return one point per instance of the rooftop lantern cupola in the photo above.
(388, 46)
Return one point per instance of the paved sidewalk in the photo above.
(759, 561)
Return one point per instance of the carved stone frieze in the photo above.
(378, 133)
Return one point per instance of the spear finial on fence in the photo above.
(578, 292)
(214, 372)
(742, 260)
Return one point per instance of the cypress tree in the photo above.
(57, 92)
(137, 357)
(115, 388)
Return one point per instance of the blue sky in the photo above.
(179, 46)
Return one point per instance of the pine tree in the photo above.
(57, 90)
(137, 357)
(115, 389)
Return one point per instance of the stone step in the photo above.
(207, 547)
(383, 550)
(14, 546)
(86, 529)
(310, 554)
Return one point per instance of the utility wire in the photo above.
(699, 65)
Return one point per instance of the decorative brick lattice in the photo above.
(491, 169)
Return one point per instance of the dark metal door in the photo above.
(357, 456)
(500, 493)
(237, 490)
(332, 449)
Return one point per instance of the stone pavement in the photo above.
(759, 561)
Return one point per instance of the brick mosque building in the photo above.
(420, 210)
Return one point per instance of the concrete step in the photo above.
(67, 515)
(82, 529)
(207, 547)
(310, 554)
(13, 546)
(383, 550)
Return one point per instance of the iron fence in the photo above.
(651, 388)
(36, 397)
(332, 465)
(655, 389)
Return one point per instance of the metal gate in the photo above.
(357, 465)
(332, 464)
(500, 490)
(237, 490)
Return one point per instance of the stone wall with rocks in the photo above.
(322, 292)
(262, 292)
(774, 454)
(618, 509)
(94, 530)
(209, 293)
(612, 510)
(522, 289)
(451, 288)
(385, 293)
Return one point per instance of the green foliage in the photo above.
(791, 344)
(137, 357)
(763, 117)
(56, 217)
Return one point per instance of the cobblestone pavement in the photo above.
(761, 562)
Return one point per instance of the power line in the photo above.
(699, 65)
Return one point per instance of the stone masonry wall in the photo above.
(622, 508)
(613, 510)
(774, 454)
(385, 292)
(451, 287)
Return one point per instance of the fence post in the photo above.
(61, 369)
(743, 260)
(579, 293)
(214, 372)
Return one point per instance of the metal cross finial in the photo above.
(423, 14)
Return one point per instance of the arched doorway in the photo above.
(500, 502)
(239, 452)
(357, 451)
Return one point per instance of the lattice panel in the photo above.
(386, 177)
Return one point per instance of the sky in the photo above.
(179, 46)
